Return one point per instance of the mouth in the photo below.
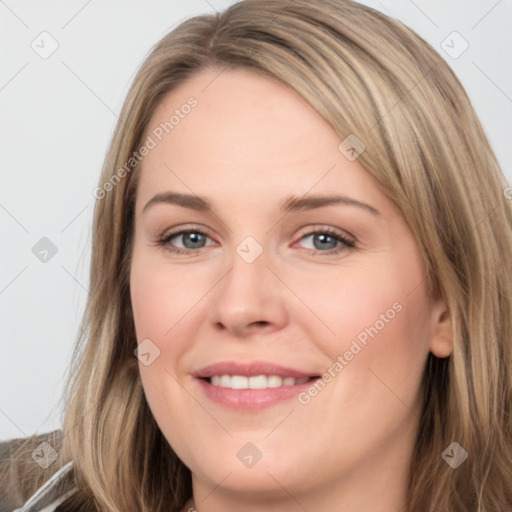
(252, 385)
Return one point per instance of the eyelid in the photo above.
(178, 230)
(324, 228)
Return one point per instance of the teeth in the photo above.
(238, 382)
(225, 381)
(256, 382)
(274, 381)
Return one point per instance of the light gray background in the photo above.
(57, 116)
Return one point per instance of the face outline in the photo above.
(250, 143)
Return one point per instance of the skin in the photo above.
(250, 143)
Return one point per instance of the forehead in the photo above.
(240, 111)
(246, 133)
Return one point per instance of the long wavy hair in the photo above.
(368, 75)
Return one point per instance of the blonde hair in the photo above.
(370, 76)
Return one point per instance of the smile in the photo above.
(251, 385)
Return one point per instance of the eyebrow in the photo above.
(290, 204)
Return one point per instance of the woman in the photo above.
(303, 236)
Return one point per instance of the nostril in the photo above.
(260, 322)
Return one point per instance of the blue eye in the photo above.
(325, 241)
(190, 240)
(328, 241)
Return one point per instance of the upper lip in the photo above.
(251, 369)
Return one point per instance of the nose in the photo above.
(249, 299)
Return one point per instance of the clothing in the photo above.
(49, 496)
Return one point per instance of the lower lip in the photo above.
(251, 398)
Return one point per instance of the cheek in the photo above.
(375, 330)
(161, 298)
(364, 304)
(160, 302)
(166, 303)
(377, 355)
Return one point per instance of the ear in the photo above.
(441, 340)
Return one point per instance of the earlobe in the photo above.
(441, 341)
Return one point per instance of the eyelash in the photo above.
(347, 243)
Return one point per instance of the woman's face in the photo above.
(279, 297)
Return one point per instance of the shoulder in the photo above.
(49, 496)
(31, 467)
